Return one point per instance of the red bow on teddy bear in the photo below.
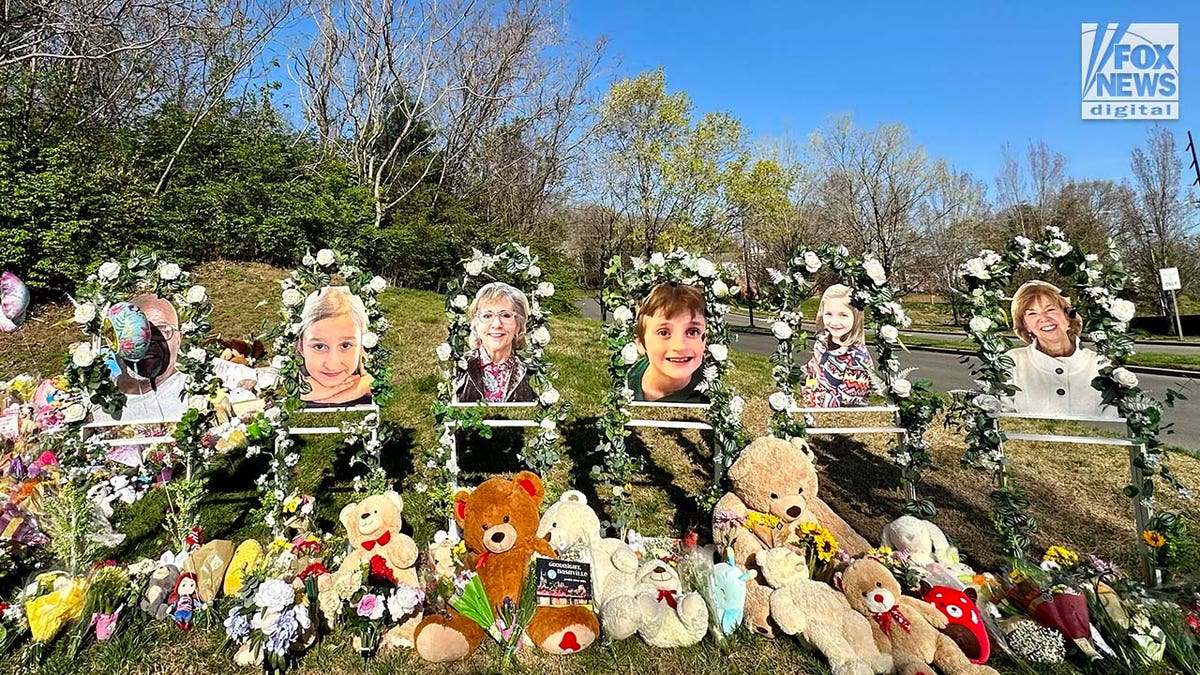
(885, 620)
(382, 541)
(668, 596)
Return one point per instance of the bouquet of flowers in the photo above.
(506, 625)
(819, 548)
(107, 594)
(907, 573)
(13, 625)
(1051, 603)
(269, 624)
(367, 600)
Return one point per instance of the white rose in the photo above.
(705, 268)
(84, 355)
(1124, 377)
(812, 261)
(444, 351)
(545, 289)
(720, 289)
(975, 267)
(535, 271)
(1122, 310)
(987, 403)
(980, 324)
(629, 353)
(541, 336)
(547, 424)
(85, 312)
(622, 314)
(292, 297)
(108, 271)
(736, 405)
(719, 352)
(325, 257)
(460, 301)
(781, 330)
(197, 354)
(889, 333)
(549, 397)
(1058, 248)
(779, 401)
(658, 260)
(901, 387)
(169, 271)
(278, 362)
(369, 340)
(196, 295)
(874, 270)
(474, 268)
(377, 284)
(308, 260)
(197, 402)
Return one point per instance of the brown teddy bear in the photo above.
(774, 489)
(499, 521)
(373, 529)
(906, 627)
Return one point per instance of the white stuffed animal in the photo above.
(573, 530)
(659, 611)
(924, 542)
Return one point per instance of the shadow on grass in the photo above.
(581, 439)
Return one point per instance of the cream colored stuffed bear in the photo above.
(572, 527)
(924, 541)
(659, 611)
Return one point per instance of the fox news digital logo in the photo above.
(1131, 71)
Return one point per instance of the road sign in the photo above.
(1170, 278)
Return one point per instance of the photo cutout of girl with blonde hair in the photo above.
(332, 324)
(839, 373)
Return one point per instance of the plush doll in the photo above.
(727, 592)
(774, 489)
(820, 616)
(964, 623)
(208, 564)
(159, 587)
(499, 522)
(924, 542)
(373, 529)
(571, 524)
(907, 627)
(182, 600)
(659, 611)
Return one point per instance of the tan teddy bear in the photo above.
(774, 489)
(906, 627)
(573, 529)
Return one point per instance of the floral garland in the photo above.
(624, 293)
(1106, 319)
(514, 264)
(87, 371)
(917, 403)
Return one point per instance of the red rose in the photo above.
(316, 569)
(381, 571)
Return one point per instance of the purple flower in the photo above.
(371, 607)
(237, 626)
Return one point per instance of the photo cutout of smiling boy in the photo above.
(332, 324)
(670, 336)
(839, 373)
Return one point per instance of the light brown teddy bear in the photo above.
(906, 627)
(373, 529)
(774, 489)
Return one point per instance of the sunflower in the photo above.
(827, 546)
(1153, 539)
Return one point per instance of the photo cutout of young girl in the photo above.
(332, 324)
(839, 373)
(670, 337)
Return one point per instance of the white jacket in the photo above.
(1056, 385)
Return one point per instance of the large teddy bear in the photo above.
(373, 529)
(499, 522)
(906, 627)
(658, 610)
(570, 525)
(774, 481)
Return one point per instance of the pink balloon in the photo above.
(14, 300)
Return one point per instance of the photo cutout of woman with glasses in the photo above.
(495, 371)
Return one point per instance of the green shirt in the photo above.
(686, 395)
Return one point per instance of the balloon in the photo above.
(14, 300)
(157, 357)
(127, 331)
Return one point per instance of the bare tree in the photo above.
(1026, 190)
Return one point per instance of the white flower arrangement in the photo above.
(516, 265)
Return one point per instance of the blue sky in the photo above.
(965, 77)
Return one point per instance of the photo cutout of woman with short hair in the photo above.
(496, 373)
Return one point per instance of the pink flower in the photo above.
(371, 607)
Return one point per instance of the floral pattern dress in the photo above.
(837, 376)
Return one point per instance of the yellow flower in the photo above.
(1061, 555)
(280, 544)
(460, 549)
(291, 504)
(882, 552)
(760, 518)
(1153, 539)
(47, 614)
(1016, 575)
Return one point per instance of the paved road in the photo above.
(946, 373)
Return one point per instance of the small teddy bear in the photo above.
(573, 530)
(659, 611)
(907, 626)
(924, 542)
(373, 529)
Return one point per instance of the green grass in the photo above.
(1075, 491)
